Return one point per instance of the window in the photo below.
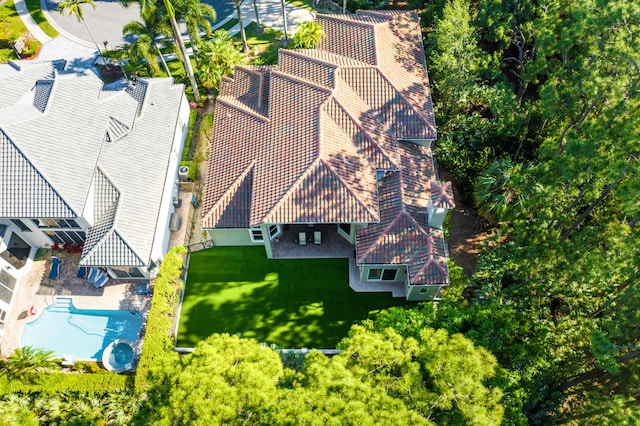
(3, 316)
(55, 223)
(20, 224)
(127, 272)
(382, 274)
(274, 231)
(71, 237)
(256, 234)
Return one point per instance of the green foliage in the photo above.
(193, 116)
(238, 374)
(12, 28)
(308, 35)
(36, 13)
(158, 342)
(218, 58)
(497, 191)
(193, 169)
(26, 361)
(54, 382)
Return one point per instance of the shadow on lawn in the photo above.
(306, 304)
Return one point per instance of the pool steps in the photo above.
(62, 304)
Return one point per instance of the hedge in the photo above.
(158, 342)
(51, 383)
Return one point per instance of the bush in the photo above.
(158, 341)
(193, 169)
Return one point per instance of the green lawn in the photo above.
(292, 303)
(38, 16)
(11, 28)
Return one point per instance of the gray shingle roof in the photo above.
(24, 192)
(79, 144)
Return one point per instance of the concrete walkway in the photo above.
(29, 22)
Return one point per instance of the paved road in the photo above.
(107, 20)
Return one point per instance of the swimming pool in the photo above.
(80, 333)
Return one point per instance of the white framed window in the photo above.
(274, 232)
(256, 234)
(382, 274)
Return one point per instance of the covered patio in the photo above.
(288, 246)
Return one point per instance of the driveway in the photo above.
(107, 20)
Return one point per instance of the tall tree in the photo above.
(198, 17)
(148, 32)
(75, 7)
(245, 45)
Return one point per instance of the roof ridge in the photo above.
(362, 129)
(241, 106)
(307, 171)
(37, 170)
(301, 80)
(355, 195)
(232, 188)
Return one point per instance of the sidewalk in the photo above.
(29, 22)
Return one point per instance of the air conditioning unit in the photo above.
(183, 173)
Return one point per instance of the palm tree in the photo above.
(145, 46)
(75, 7)
(217, 58)
(245, 45)
(24, 362)
(496, 191)
(308, 35)
(197, 16)
(177, 36)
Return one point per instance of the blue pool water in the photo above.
(81, 333)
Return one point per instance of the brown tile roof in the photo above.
(403, 235)
(442, 195)
(300, 142)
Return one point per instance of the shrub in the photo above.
(158, 341)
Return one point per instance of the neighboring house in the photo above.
(339, 137)
(92, 168)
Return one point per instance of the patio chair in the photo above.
(317, 237)
(142, 288)
(302, 238)
(93, 274)
(101, 280)
(82, 272)
(55, 268)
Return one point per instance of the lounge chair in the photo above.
(302, 238)
(101, 280)
(142, 288)
(82, 272)
(55, 268)
(317, 237)
(94, 272)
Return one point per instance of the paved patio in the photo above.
(35, 289)
(332, 245)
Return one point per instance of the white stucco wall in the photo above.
(162, 232)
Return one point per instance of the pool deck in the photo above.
(35, 289)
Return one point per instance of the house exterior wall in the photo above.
(231, 237)
(436, 216)
(351, 237)
(401, 275)
(162, 232)
(422, 292)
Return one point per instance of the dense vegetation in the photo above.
(538, 106)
